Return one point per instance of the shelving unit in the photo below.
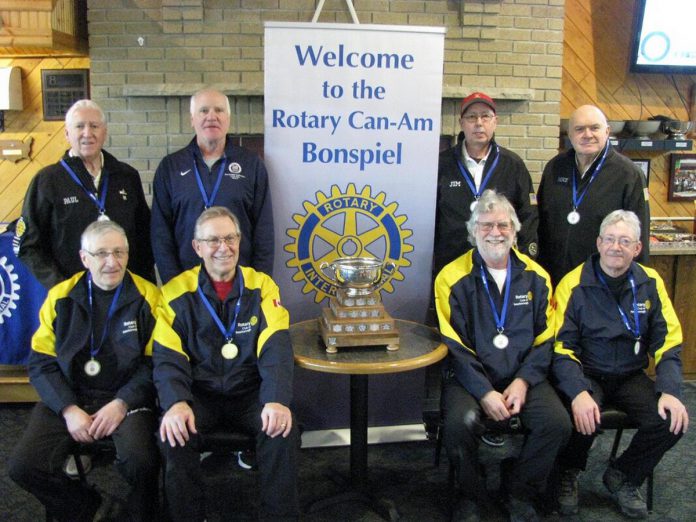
(625, 144)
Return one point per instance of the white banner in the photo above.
(352, 125)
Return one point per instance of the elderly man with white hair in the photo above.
(212, 170)
(613, 314)
(493, 305)
(90, 365)
(86, 184)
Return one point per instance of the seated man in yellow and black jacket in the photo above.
(493, 305)
(612, 314)
(222, 358)
(90, 365)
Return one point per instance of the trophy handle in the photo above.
(322, 266)
(393, 265)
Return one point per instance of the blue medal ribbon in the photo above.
(101, 202)
(499, 318)
(636, 318)
(94, 350)
(209, 201)
(228, 333)
(470, 179)
(577, 199)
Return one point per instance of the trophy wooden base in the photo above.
(352, 321)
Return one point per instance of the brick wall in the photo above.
(148, 56)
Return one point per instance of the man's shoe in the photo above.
(568, 492)
(246, 459)
(466, 510)
(494, 439)
(626, 495)
(521, 510)
(70, 468)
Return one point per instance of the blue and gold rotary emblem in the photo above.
(347, 224)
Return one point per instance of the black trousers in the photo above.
(36, 464)
(276, 458)
(543, 417)
(634, 394)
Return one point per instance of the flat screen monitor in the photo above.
(664, 37)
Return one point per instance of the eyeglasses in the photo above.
(623, 242)
(473, 117)
(487, 226)
(103, 255)
(215, 242)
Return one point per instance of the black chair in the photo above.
(615, 419)
(95, 449)
(217, 442)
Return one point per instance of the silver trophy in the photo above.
(356, 275)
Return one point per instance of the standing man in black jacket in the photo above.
(579, 188)
(90, 365)
(475, 164)
(87, 183)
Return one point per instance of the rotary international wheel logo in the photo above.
(8, 289)
(347, 224)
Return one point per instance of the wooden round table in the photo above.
(419, 346)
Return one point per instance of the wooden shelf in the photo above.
(624, 144)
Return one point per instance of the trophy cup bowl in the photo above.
(642, 129)
(357, 275)
(677, 129)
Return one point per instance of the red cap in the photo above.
(476, 97)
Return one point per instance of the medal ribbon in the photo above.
(470, 179)
(101, 202)
(578, 199)
(636, 318)
(229, 332)
(94, 350)
(209, 201)
(499, 319)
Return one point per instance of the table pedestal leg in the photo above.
(358, 488)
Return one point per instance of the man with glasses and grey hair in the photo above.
(223, 359)
(211, 170)
(474, 164)
(86, 184)
(493, 306)
(612, 315)
(90, 365)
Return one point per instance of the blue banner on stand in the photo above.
(21, 296)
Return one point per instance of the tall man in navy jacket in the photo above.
(495, 317)
(90, 364)
(223, 358)
(611, 315)
(209, 171)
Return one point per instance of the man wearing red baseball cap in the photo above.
(474, 164)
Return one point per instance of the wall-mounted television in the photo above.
(664, 37)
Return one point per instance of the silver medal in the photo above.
(103, 217)
(473, 205)
(573, 217)
(92, 367)
(500, 341)
(229, 350)
(636, 347)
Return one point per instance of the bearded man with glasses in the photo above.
(612, 315)
(493, 306)
(474, 164)
(90, 365)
